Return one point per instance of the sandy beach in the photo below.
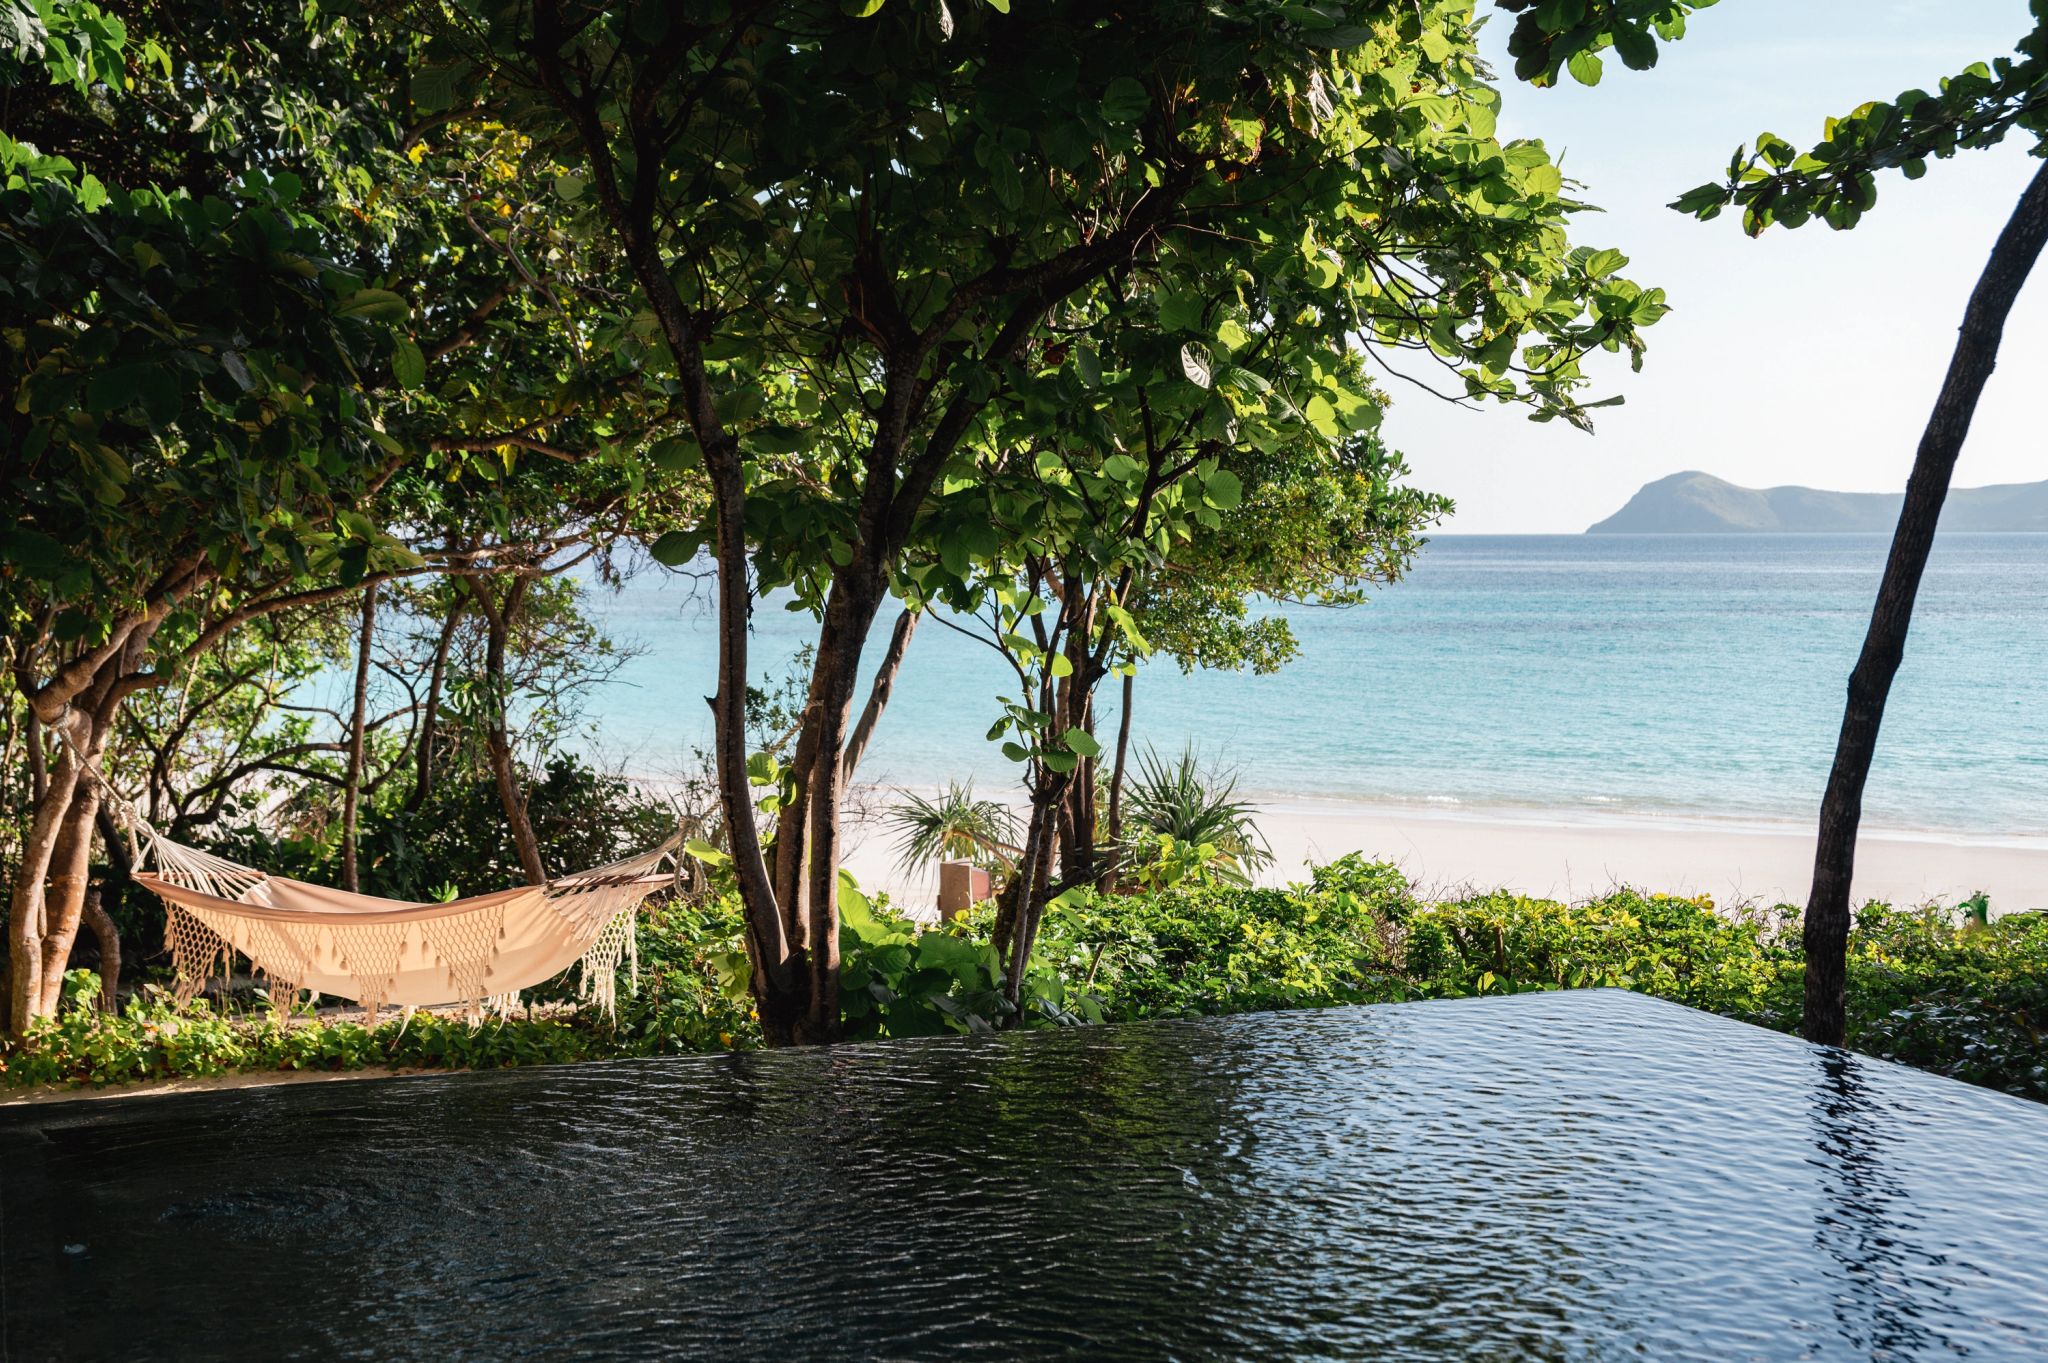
(1574, 856)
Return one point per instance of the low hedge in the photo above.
(1931, 987)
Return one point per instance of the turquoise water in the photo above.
(1671, 675)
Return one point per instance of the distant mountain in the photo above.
(1691, 503)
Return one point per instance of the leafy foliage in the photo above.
(954, 826)
(1551, 35)
(1173, 803)
(1935, 989)
(1835, 180)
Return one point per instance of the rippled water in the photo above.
(1583, 1176)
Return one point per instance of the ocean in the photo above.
(1694, 676)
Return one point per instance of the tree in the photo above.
(861, 235)
(224, 402)
(1836, 182)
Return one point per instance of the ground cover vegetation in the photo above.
(1946, 991)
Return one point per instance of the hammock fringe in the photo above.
(478, 952)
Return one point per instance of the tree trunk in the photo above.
(879, 694)
(497, 738)
(1114, 865)
(1030, 900)
(352, 781)
(1884, 646)
(27, 903)
(48, 894)
(423, 775)
(109, 938)
(38, 758)
(801, 1006)
(70, 876)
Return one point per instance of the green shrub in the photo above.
(1938, 989)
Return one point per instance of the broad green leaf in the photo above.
(373, 305)
(1124, 101)
(676, 548)
(408, 365)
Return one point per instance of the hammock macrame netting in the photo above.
(478, 952)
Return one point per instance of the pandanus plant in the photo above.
(1175, 799)
(954, 826)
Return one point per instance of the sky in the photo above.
(1806, 357)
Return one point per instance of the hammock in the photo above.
(478, 952)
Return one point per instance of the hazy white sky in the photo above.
(1801, 357)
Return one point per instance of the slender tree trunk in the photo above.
(352, 782)
(38, 758)
(1030, 903)
(27, 902)
(109, 939)
(1841, 812)
(423, 774)
(803, 1008)
(70, 876)
(498, 617)
(1114, 865)
(879, 694)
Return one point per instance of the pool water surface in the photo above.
(1585, 1175)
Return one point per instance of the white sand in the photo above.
(1573, 856)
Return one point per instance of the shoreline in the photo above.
(1574, 854)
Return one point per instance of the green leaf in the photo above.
(1124, 101)
(1062, 665)
(408, 365)
(1223, 490)
(1082, 742)
(36, 554)
(1322, 417)
(373, 305)
(1637, 50)
(1016, 752)
(1585, 67)
(676, 548)
(1604, 263)
(705, 852)
(677, 454)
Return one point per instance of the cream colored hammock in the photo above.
(478, 952)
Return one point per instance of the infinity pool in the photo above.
(1557, 1176)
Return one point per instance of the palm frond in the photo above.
(954, 826)
(1177, 799)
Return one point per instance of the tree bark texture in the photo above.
(879, 694)
(1884, 645)
(109, 939)
(498, 618)
(1114, 864)
(352, 780)
(423, 771)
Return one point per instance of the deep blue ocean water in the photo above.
(1696, 675)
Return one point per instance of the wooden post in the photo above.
(962, 885)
